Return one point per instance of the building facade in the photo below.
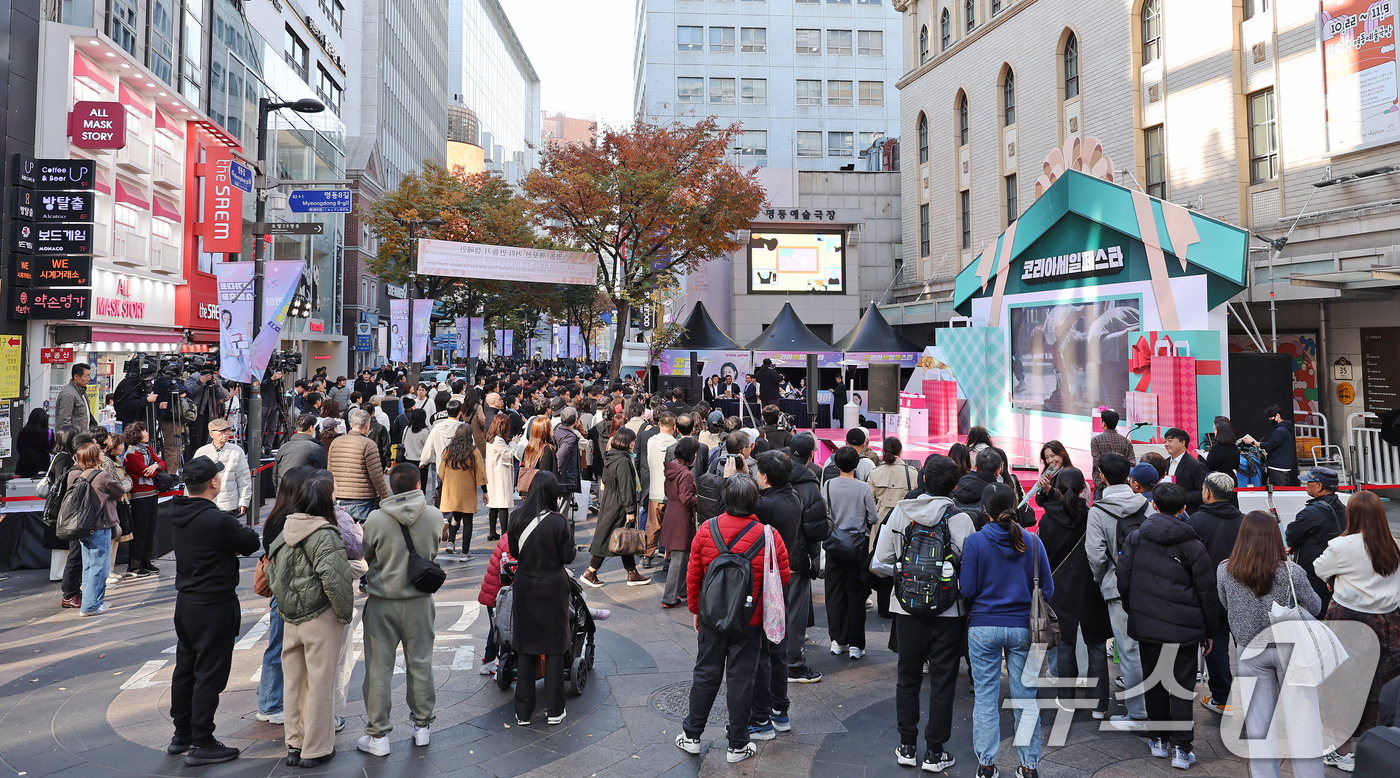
(811, 81)
(560, 130)
(1225, 108)
(490, 74)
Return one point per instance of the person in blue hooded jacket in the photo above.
(999, 567)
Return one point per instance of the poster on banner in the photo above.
(1359, 80)
(280, 281)
(422, 325)
(506, 263)
(11, 350)
(235, 280)
(398, 330)
(575, 343)
(731, 364)
(464, 331)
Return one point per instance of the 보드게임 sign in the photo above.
(506, 263)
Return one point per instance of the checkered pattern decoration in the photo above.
(978, 358)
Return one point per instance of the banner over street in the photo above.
(506, 263)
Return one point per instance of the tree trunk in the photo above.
(623, 312)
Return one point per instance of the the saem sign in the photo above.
(94, 125)
(222, 227)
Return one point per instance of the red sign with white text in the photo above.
(94, 125)
(56, 356)
(222, 227)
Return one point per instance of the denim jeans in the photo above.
(359, 510)
(270, 686)
(1129, 660)
(97, 563)
(986, 646)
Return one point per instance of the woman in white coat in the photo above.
(500, 474)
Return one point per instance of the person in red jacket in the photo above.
(731, 658)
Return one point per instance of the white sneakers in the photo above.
(857, 652)
(487, 668)
(558, 719)
(98, 611)
(272, 718)
(420, 735)
(837, 649)
(378, 746)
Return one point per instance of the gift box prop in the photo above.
(1180, 373)
(913, 416)
(941, 399)
(979, 361)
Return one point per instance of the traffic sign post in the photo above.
(319, 201)
(293, 228)
(241, 176)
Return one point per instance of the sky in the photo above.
(582, 52)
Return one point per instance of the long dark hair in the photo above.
(1224, 431)
(318, 496)
(1366, 517)
(38, 421)
(958, 452)
(543, 498)
(288, 492)
(418, 420)
(1258, 550)
(63, 439)
(999, 505)
(978, 436)
(461, 450)
(1057, 448)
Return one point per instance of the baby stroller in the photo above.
(580, 659)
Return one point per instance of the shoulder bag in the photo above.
(426, 575)
(1317, 652)
(260, 585)
(1044, 624)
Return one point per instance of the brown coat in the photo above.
(478, 421)
(359, 473)
(460, 487)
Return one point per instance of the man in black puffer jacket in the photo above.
(1217, 521)
(1323, 518)
(1164, 579)
(803, 556)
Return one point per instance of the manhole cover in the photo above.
(673, 702)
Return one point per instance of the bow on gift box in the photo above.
(1140, 359)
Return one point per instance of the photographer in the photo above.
(135, 397)
(208, 395)
(169, 390)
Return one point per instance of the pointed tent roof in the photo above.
(873, 334)
(788, 333)
(702, 334)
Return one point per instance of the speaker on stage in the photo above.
(1258, 381)
(883, 390)
(812, 388)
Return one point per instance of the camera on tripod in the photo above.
(142, 365)
(285, 361)
(177, 365)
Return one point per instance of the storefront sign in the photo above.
(222, 222)
(52, 239)
(316, 325)
(1345, 393)
(1079, 264)
(396, 291)
(62, 271)
(56, 356)
(822, 215)
(94, 125)
(53, 173)
(11, 349)
(38, 206)
(1380, 370)
(68, 304)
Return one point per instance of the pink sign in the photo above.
(94, 125)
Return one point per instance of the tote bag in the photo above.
(774, 606)
(1317, 652)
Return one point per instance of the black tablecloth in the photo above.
(22, 542)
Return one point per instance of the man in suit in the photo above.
(1183, 468)
(769, 383)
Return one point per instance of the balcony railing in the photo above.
(168, 171)
(165, 257)
(129, 249)
(135, 154)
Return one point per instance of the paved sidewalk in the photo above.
(89, 697)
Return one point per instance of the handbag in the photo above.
(1044, 624)
(627, 540)
(124, 521)
(260, 585)
(426, 575)
(1317, 652)
(848, 544)
(164, 482)
(774, 604)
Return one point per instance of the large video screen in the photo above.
(789, 262)
(1072, 357)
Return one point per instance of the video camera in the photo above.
(176, 365)
(142, 365)
(285, 361)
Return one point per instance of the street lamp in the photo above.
(413, 226)
(253, 392)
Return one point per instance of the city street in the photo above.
(90, 697)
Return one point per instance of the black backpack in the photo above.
(709, 497)
(79, 511)
(926, 575)
(726, 593)
(1133, 520)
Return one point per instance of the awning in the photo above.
(208, 337)
(131, 196)
(168, 125)
(1350, 280)
(101, 184)
(133, 101)
(197, 348)
(164, 209)
(92, 75)
(134, 335)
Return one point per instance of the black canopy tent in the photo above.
(787, 334)
(874, 335)
(702, 334)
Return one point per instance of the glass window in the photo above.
(722, 39)
(871, 43)
(753, 147)
(1151, 31)
(1155, 153)
(838, 43)
(809, 92)
(867, 2)
(1008, 99)
(753, 40)
(809, 41)
(945, 30)
(809, 144)
(1253, 8)
(867, 139)
(838, 93)
(328, 90)
(923, 230)
(872, 93)
(1071, 59)
(690, 39)
(962, 122)
(690, 90)
(807, 2)
(160, 53)
(923, 138)
(754, 91)
(722, 91)
(923, 44)
(123, 24)
(297, 55)
(1263, 138)
(838, 2)
(969, 15)
(996, 7)
(840, 144)
(965, 218)
(1012, 210)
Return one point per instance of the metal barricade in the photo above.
(1373, 461)
(1311, 425)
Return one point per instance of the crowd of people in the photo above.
(382, 477)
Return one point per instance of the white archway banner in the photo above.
(506, 263)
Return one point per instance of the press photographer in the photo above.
(207, 393)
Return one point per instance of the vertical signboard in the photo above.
(422, 325)
(1380, 369)
(1357, 42)
(222, 227)
(398, 330)
(235, 281)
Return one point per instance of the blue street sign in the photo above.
(320, 201)
(241, 176)
(362, 343)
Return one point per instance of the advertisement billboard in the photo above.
(1359, 80)
(785, 262)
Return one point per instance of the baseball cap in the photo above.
(201, 470)
(219, 424)
(1144, 474)
(716, 417)
(1323, 475)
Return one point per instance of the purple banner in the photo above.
(422, 325)
(235, 281)
(280, 281)
(398, 330)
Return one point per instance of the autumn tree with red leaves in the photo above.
(652, 201)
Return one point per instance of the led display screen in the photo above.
(797, 262)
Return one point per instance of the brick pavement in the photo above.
(90, 697)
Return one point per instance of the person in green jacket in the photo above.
(309, 573)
